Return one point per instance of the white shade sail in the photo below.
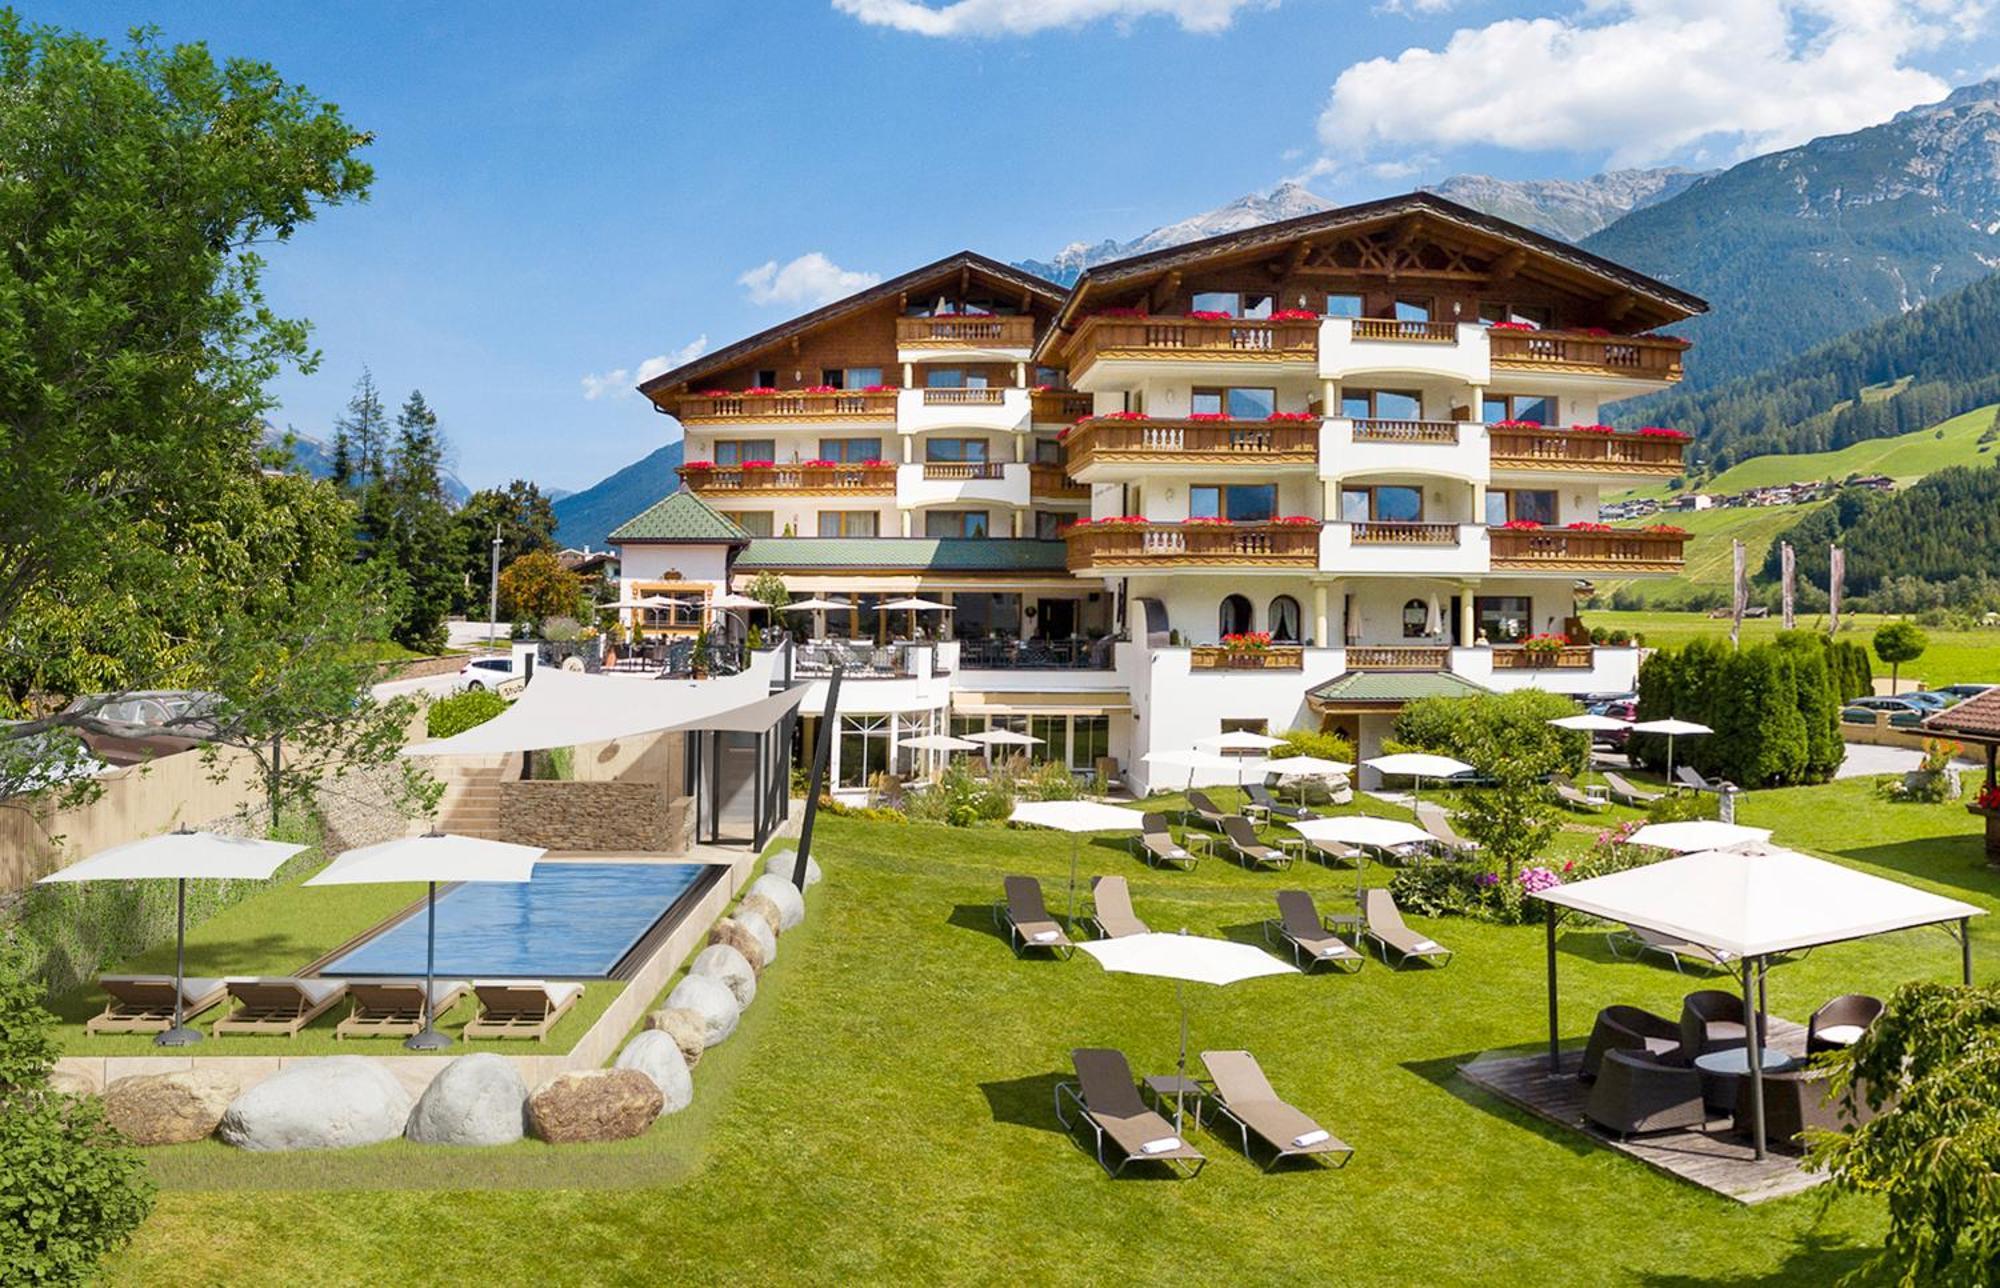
(563, 709)
(1003, 738)
(939, 742)
(1240, 740)
(914, 604)
(1307, 765)
(1588, 723)
(437, 857)
(1195, 959)
(1675, 727)
(181, 856)
(1360, 829)
(1076, 816)
(1697, 834)
(1751, 904)
(1418, 764)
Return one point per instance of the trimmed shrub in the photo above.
(1774, 709)
(1312, 742)
(462, 711)
(1486, 728)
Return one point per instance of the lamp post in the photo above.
(493, 593)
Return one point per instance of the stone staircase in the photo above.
(471, 804)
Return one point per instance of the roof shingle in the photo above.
(1383, 688)
(682, 516)
(1978, 717)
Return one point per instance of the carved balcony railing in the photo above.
(965, 331)
(1053, 483)
(1410, 332)
(1627, 550)
(988, 397)
(787, 405)
(1276, 657)
(1258, 443)
(846, 480)
(1585, 451)
(1190, 339)
(1572, 657)
(1193, 545)
(1646, 357)
(1061, 406)
(1397, 657)
(949, 470)
(1403, 534)
(1406, 431)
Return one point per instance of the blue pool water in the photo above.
(573, 921)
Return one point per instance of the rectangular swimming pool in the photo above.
(572, 921)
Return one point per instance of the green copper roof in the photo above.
(680, 517)
(1393, 686)
(931, 554)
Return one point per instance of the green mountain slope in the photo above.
(585, 518)
(1710, 533)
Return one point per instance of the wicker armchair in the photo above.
(1795, 1102)
(1635, 1093)
(1629, 1028)
(1840, 1022)
(1712, 1020)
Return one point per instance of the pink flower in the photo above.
(1297, 521)
(696, 465)
(820, 389)
(1512, 326)
(1661, 431)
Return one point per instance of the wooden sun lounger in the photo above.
(1244, 1096)
(1622, 790)
(394, 1007)
(279, 1005)
(1640, 941)
(145, 1003)
(1311, 936)
(1107, 1100)
(1382, 921)
(1027, 920)
(520, 1008)
(1158, 846)
(1111, 908)
(1438, 824)
(1243, 842)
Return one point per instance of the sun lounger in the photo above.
(1261, 797)
(1689, 776)
(1567, 793)
(1205, 809)
(1382, 921)
(1438, 824)
(1243, 842)
(278, 1005)
(1027, 921)
(1244, 1096)
(1310, 936)
(145, 1003)
(1632, 942)
(520, 1008)
(1106, 1099)
(1111, 908)
(1625, 793)
(394, 1007)
(1158, 846)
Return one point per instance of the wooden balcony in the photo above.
(990, 397)
(1394, 329)
(1641, 357)
(1406, 431)
(1587, 453)
(1573, 657)
(792, 480)
(1362, 657)
(1231, 340)
(786, 405)
(1277, 657)
(1053, 483)
(955, 470)
(1403, 534)
(960, 331)
(1258, 443)
(1622, 550)
(1061, 406)
(1192, 545)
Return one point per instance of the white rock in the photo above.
(766, 939)
(790, 903)
(712, 1001)
(654, 1054)
(335, 1102)
(785, 862)
(722, 962)
(477, 1099)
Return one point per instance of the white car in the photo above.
(487, 672)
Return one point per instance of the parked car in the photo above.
(1960, 692)
(1902, 712)
(1929, 699)
(487, 672)
(1626, 709)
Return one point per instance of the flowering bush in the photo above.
(1039, 389)
(1207, 315)
(1295, 416)
(1588, 527)
(696, 466)
(879, 389)
(1209, 416)
(1117, 415)
(1513, 326)
(1591, 429)
(1594, 332)
(1126, 520)
(758, 391)
(1120, 311)
(1537, 879)
(820, 389)
(1988, 798)
(874, 461)
(1544, 643)
(1664, 530)
(1247, 642)
(1661, 431)
(1521, 525)
(1297, 521)
(1295, 315)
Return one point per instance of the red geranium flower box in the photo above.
(1512, 326)
(1209, 416)
(821, 465)
(1299, 416)
(1295, 315)
(1297, 521)
(759, 391)
(820, 389)
(1518, 424)
(873, 462)
(1207, 521)
(1661, 431)
(1665, 530)
(878, 389)
(1588, 527)
(696, 465)
(758, 465)
(1521, 525)
(1591, 429)
(1207, 315)
(714, 393)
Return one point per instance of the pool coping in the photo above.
(593, 1050)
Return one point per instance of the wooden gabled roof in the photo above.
(964, 262)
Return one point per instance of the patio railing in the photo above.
(1035, 655)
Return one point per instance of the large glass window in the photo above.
(955, 523)
(1239, 503)
(1090, 740)
(1284, 620)
(1416, 619)
(864, 749)
(1538, 408)
(1053, 377)
(956, 450)
(1389, 503)
(849, 523)
(850, 451)
(1381, 404)
(1048, 451)
(1491, 311)
(1413, 308)
(735, 451)
(1049, 523)
(1236, 304)
(1054, 733)
(755, 522)
(1345, 306)
(953, 378)
(1232, 616)
(985, 616)
(1504, 619)
(1242, 404)
(1534, 506)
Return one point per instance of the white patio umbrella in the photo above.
(939, 742)
(914, 606)
(433, 857)
(1418, 765)
(1672, 728)
(736, 601)
(818, 608)
(1434, 617)
(1076, 818)
(1587, 723)
(1192, 759)
(176, 857)
(1303, 767)
(1240, 740)
(1185, 958)
(1696, 835)
(1362, 830)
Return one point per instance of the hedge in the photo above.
(462, 711)
(1774, 709)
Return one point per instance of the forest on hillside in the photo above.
(1931, 546)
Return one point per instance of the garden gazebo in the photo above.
(1977, 721)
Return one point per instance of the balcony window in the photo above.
(850, 451)
(984, 616)
(1533, 505)
(864, 749)
(1536, 315)
(1250, 305)
(1054, 733)
(1053, 377)
(1413, 308)
(955, 523)
(1239, 503)
(767, 378)
(850, 377)
(755, 522)
(1090, 740)
(1381, 404)
(848, 523)
(1284, 620)
(1504, 619)
(1048, 524)
(957, 451)
(1345, 306)
(1241, 404)
(735, 451)
(1048, 452)
(1538, 408)
(1392, 503)
(1416, 620)
(1232, 616)
(953, 378)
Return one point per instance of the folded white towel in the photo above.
(1313, 1137)
(1427, 946)
(1046, 936)
(1334, 950)
(1163, 1145)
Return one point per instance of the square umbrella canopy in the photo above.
(1363, 830)
(1240, 740)
(1588, 723)
(1673, 729)
(1303, 767)
(1003, 738)
(1076, 818)
(176, 857)
(1694, 835)
(1418, 765)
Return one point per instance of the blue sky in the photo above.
(566, 195)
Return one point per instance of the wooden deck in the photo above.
(1715, 1158)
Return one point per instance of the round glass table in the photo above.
(1720, 1071)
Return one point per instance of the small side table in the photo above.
(1166, 1087)
(1597, 793)
(1206, 840)
(1720, 1071)
(1296, 846)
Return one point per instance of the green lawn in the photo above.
(886, 1113)
(1954, 657)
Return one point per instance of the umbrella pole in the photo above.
(180, 1034)
(1071, 924)
(430, 1039)
(1180, 1067)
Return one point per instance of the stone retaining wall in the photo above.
(611, 817)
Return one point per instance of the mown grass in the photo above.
(1710, 554)
(887, 1112)
(1954, 657)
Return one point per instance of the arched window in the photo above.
(1416, 617)
(1234, 616)
(1284, 620)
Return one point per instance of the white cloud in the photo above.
(1415, 8)
(1647, 80)
(1025, 17)
(811, 280)
(621, 381)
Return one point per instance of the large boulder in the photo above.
(760, 930)
(791, 904)
(169, 1108)
(593, 1104)
(786, 862)
(656, 1055)
(334, 1102)
(741, 936)
(712, 1001)
(477, 1099)
(755, 907)
(721, 962)
(687, 1028)
(68, 1082)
